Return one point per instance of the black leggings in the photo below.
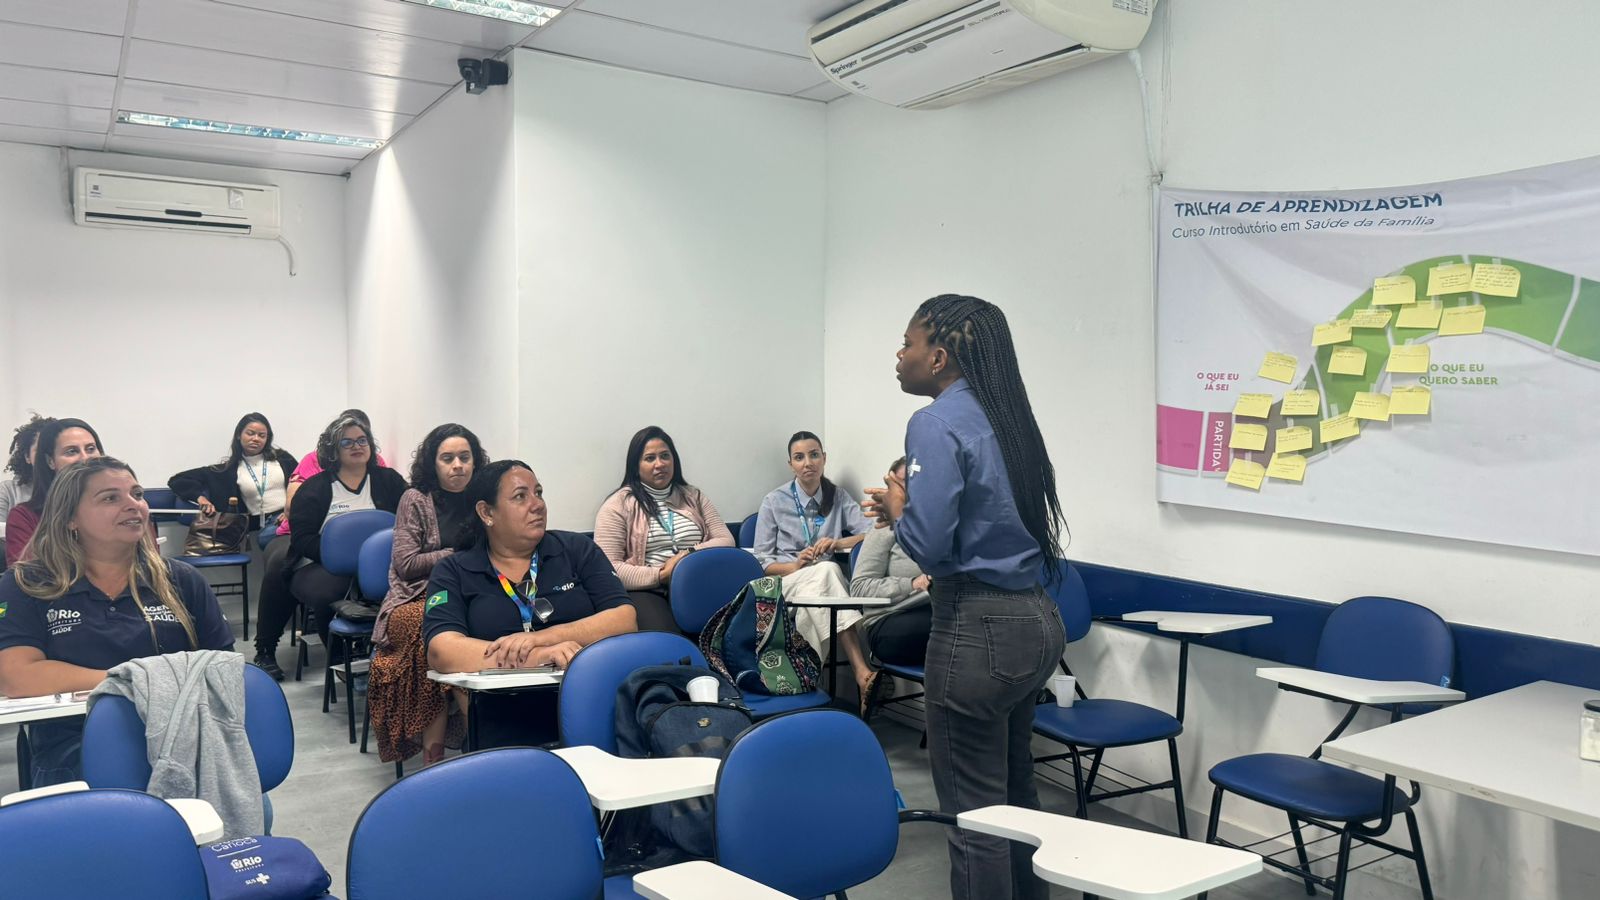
(319, 590)
(312, 585)
(901, 639)
(654, 611)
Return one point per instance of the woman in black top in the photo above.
(350, 480)
(519, 595)
(256, 472)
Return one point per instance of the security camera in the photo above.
(481, 74)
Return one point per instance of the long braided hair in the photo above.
(976, 333)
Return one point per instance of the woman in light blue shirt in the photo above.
(977, 510)
(799, 528)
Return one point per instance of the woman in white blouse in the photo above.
(255, 472)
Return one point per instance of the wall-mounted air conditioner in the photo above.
(926, 54)
(132, 200)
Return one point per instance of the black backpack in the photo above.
(655, 718)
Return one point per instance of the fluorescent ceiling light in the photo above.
(517, 11)
(260, 131)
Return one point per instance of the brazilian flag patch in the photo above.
(438, 599)
(3, 608)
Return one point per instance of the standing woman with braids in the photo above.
(94, 594)
(977, 510)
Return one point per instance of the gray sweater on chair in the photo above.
(192, 705)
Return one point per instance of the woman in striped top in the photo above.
(652, 521)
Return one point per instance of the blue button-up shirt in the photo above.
(780, 533)
(960, 516)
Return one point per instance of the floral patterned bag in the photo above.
(753, 643)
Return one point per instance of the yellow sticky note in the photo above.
(1496, 281)
(1287, 467)
(1411, 359)
(1246, 474)
(1462, 320)
(1422, 315)
(1331, 333)
(1295, 437)
(1370, 405)
(1396, 291)
(1371, 318)
(1254, 406)
(1338, 428)
(1455, 278)
(1248, 437)
(1279, 367)
(1302, 403)
(1410, 401)
(1348, 361)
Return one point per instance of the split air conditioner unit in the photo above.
(130, 200)
(927, 54)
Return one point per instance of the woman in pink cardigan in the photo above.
(653, 521)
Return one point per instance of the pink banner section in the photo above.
(1216, 457)
(1178, 437)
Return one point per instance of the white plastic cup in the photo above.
(703, 690)
(1065, 687)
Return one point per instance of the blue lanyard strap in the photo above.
(525, 607)
(670, 525)
(806, 525)
(260, 483)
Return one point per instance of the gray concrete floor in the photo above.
(331, 783)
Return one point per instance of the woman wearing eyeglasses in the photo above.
(351, 479)
(518, 595)
(94, 594)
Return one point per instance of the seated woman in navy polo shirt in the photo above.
(94, 594)
(518, 595)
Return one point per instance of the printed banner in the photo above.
(1419, 359)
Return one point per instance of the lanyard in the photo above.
(260, 483)
(524, 606)
(805, 520)
(671, 527)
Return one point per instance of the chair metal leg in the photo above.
(327, 676)
(366, 716)
(399, 771)
(1421, 861)
(1211, 826)
(1177, 789)
(350, 688)
(244, 596)
(1300, 851)
(1342, 872)
(923, 745)
(1077, 781)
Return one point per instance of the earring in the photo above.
(73, 532)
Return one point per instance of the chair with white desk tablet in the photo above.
(1374, 651)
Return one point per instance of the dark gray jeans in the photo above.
(989, 654)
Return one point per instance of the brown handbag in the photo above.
(217, 534)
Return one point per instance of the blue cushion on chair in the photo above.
(1306, 787)
(1104, 723)
(342, 626)
(221, 559)
(910, 673)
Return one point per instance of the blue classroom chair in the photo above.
(1376, 638)
(348, 533)
(745, 537)
(372, 581)
(239, 588)
(344, 548)
(587, 703)
(88, 845)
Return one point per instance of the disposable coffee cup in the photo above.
(703, 689)
(1065, 687)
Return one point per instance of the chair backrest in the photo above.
(372, 564)
(514, 822)
(823, 775)
(1387, 640)
(115, 753)
(746, 537)
(587, 703)
(706, 581)
(1072, 598)
(855, 555)
(91, 844)
(342, 538)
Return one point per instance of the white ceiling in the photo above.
(362, 68)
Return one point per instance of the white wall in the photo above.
(432, 278)
(162, 340)
(670, 240)
(1038, 199)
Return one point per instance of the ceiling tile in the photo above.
(51, 115)
(52, 48)
(400, 18)
(175, 64)
(648, 49)
(292, 162)
(233, 29)
(202, 140)
(98, 16)
(780, 27)
(825, 91)
(51, 137)
(50, 86)
(246, 109)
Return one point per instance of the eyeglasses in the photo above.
(542, 607)
(347, 443)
